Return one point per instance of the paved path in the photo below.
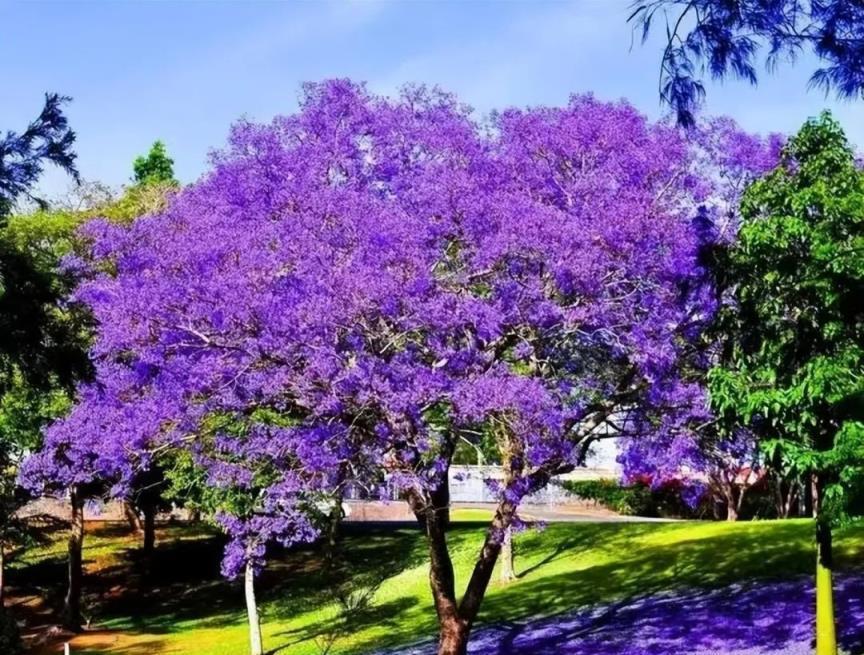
(754, 619)
(398, 512)
(568, 514)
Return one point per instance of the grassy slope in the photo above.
(189, 610)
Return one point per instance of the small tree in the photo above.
(154, 168)
(795, 359)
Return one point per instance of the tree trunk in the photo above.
(453, 638)
(826, 631)
(256, 644)
(2, 576)
(455, 619)
(732, 503)
(149, 511)
(508, 571)
(132, 517)
(72, 602)
(731, 512)
(334, 520)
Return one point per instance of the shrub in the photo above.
(638, 499)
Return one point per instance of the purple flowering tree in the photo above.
(356, 287)
(691, 449)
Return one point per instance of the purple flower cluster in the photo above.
(352, 285)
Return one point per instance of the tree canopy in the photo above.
(23, 155)
(155, 167)
(357, 287)
(794, 369)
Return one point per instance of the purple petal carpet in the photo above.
(760, 618)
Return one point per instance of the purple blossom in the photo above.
(352, 284)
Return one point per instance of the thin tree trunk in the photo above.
(826, 630)
(2, 576)
(132, 517)
(256, 644)
(432, 511)
(739, 502)
(453, 638)
(72, 602)
(508, 571)
(731, 501)
(455, 620)
(334, 520)
(791, 500)
(149, 511)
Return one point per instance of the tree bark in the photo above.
(731, 512)
(2, 576)
(256, 644)
(455, 619)
(334, 520)
(132, 517)
(430, 514)
(72, 602)
(508, 570)
(732, 500)
(149, 511)
(453, 638)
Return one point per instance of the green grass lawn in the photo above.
(182, 606)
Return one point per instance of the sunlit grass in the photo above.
(563, 567)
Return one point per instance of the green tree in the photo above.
(44, 339)
(794, 362)
(156, 167)
(42, 349)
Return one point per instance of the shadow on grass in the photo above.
(768, 618)
(591, 579)
(645, 566)
(181, 584)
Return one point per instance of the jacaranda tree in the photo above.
(355, 288)
(705, 457)
(794, 368)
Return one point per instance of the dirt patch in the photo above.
(98, 641)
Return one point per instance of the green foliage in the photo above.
(634, 500)
(638, 499)
(793, 368)
(156, 167)
(42, 345)
(44, 339)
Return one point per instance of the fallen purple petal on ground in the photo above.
(772, 618)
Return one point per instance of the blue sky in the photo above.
(183, 71)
